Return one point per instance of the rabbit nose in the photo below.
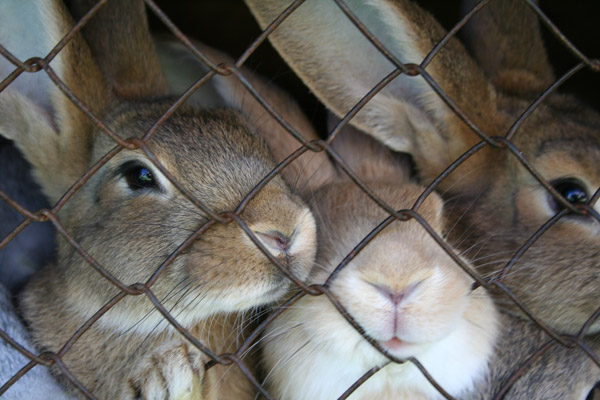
(276, 242)
(396, 297)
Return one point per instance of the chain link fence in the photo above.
(551, 342)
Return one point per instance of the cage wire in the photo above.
(40, 65)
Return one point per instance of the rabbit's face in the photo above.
(402, 288)
(494, 221)
(131, 218)
(408, 298)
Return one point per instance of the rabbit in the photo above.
(494, 204)
(561, 373)
(36, 384)
(305, 174)
(402, 288)
(129, 217)
(34, 246)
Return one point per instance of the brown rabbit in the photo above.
(493, 202)
(129, 217)
(182, 69)
(561, 373)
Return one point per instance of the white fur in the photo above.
(405, 293)
(328, 356)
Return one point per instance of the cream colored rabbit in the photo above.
(493, 202)
(129, 217)
(304, 339)
(402, 288)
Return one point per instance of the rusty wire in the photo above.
(40, 64)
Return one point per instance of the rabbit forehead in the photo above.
(578, 158)
(359, 215)
(557, 140)
(399, 261)
(569, 144)
(337, 201)
(185, 131)
(345, 216)
(558, 118)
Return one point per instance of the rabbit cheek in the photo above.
(434, 311)
(532, 207)
(557, 264)
(239, 277)
(304, 246)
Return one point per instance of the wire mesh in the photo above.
(496, 284)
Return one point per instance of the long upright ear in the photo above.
(53, 134)
(121, 44)
(512, 54)
(340, 66)
(182, 69)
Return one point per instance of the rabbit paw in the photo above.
(170, 373)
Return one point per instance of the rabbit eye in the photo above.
(572, 190)
(139, 177)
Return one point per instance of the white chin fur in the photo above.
(332, 356)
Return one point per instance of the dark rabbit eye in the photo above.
(571, 189)
(138, 176)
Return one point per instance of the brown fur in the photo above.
(215, 155)
(560, 373)
(305, 174)
(133, 69)
(113, 366)
(493, 203)
(497, 42)
(440, 313)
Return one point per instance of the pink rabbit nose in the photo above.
(396, 296)
(275, 241)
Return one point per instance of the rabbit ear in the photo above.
(53, 134)
(340, 66)
(513, 65)
(369, 160)
(182, 69)
(122, 46)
